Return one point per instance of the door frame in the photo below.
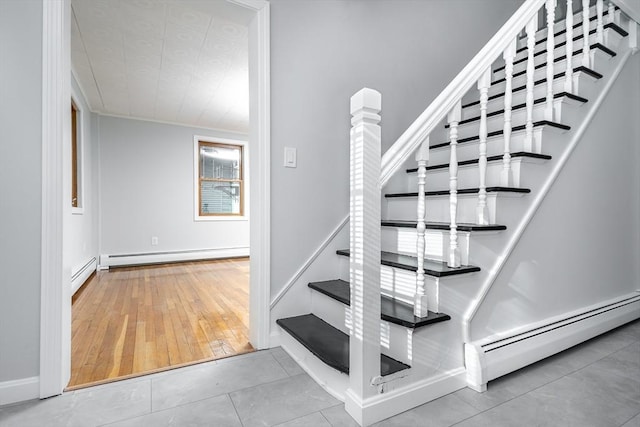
(55, 292)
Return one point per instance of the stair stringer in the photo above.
(551, 267)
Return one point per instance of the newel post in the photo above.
(364, 235)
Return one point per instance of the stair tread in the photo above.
(580, 68)
(523, 105)
(580, 36)
(330, 344)
(497, 157)
(500, 132)
(444, 225)
(407, 262)
(476, 190)
(391, 310)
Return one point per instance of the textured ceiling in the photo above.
(178, 61)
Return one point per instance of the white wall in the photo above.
(322, 52)
(20, 187)
(83, 224)
(581, 247)
(147, 189)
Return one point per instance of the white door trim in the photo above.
(55, 309)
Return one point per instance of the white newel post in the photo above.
(586, 52)
(364, 270)
(531, 43)
(568, 74)
(611, 12)
(551, 12)
(454, 117)
(482, 212)
(509, 54)
(420, 307)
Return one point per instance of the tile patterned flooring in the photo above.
(596, 383)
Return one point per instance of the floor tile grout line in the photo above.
(235, 409)
(629, 419)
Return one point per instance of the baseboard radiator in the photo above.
(121, 260)
(500, 354)
(82, 274)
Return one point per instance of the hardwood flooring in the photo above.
(129, 321)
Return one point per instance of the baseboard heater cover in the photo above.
(498, 355)
(82, 274)
(120, 260)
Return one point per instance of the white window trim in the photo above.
(196, 179)
(80, 154)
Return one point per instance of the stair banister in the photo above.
(568, 80)
(551, 8)
(364, 237)
(410, 140)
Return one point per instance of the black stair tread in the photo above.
(496, 189)
(580, 68)
(523, 105)
(558, 59)
(611, 25)
(497, 157)
(444, 225)
(330, 344)
(406, 262)
(500, 132)
(391, 310)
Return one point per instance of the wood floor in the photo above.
(129, 321)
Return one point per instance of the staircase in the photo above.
(454, 195)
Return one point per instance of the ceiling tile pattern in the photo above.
(178, 61)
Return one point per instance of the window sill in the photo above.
(77, 211)
(220, 218)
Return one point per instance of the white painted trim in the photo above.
(55, 357)
(630, 7)
(167, 122)
(119, 260)
(495, 356)
(385, 405)
(308, 262)
(82, 91)
(196, 178)
(82, 274)
(19, 390)
(409, 141)
(260, 159)
(539, 197)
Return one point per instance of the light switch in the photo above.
(290, 157)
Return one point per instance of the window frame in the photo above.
(223, 142)
(77, 172)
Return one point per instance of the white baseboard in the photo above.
(82, 274)
(19, 390)
(402, 399)
(500, 354)
(119, 260)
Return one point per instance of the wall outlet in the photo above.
(154, 240)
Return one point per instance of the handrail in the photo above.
(408, 142)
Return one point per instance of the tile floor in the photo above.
(594, 384)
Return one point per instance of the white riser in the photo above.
(582, 86)
(331, 311)
(438, 207)
(404, 241)
(557, 52)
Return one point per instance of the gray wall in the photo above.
(20, 187)
(322, 52)
(146, 189)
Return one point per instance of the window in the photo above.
(220, 179)
(75, 165)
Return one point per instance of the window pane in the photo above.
(219, 197)
(219, 162)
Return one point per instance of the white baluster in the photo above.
(454, 117)
(551, 11)
(599, 21)
(531, 44)
(611, 12)
(586, 49)
(420, 307)
(364, 231)
(568, 75)
(509, 53)
(482, 212)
